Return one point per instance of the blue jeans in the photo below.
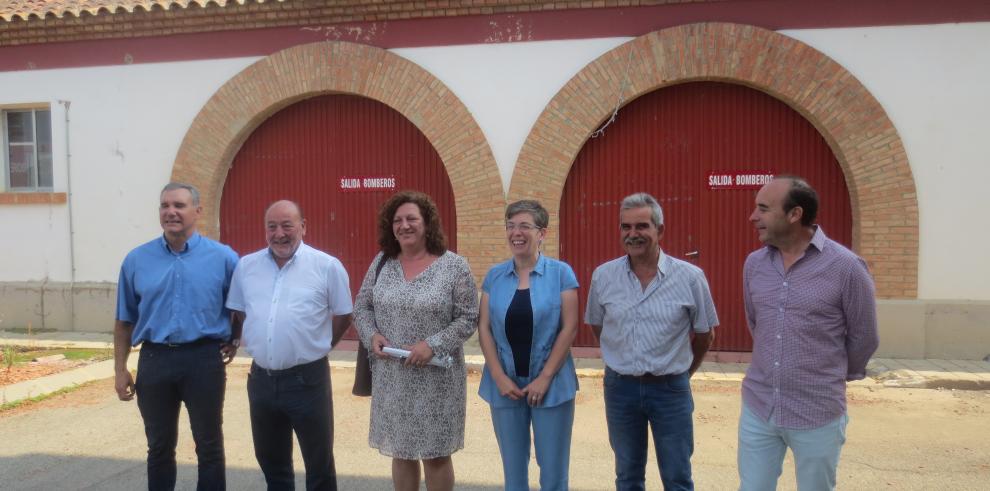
(296, 399)
(551, 437)
(762, 445)
(666, 407)
(167, 377)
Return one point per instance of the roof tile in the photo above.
(25, 9)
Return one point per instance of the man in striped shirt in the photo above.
(644, 307)
(811, 310)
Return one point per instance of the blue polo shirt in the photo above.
(547, 281)
(176, 297)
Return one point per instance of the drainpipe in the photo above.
(72, 233)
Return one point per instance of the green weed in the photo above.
(36, 399)
(9, 353)
(21, 354)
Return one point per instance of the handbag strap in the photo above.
(379, 266)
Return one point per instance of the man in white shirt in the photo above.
(295, 303)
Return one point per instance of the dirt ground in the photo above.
(902, 439)
(21, 372)
(29, 370)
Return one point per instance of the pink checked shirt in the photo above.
(814, 327)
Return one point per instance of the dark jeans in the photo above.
(666, 406)
(168, 377)
(297, 399)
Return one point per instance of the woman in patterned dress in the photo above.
(419, 296)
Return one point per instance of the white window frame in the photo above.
(6, 144)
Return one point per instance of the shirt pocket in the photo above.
(658, 323)
(767, 305)
(663, 317)
(825, 306)
(306, 300)
(767, 298)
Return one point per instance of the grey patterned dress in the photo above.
(418, 413)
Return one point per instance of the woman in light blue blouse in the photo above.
(528, 320)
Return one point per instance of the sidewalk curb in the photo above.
(57, 381)
(882, 373)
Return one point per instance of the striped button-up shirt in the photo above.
(814, 327)
(648, 331)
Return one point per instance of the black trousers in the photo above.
(191, 374)
(295, 399)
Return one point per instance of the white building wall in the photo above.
(507, 86)
(34, 238)
(933, 82)
(127, 123)
(34, 243)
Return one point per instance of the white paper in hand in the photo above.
(402, 354)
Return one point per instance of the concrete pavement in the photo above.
(903, 439)
(883, 372)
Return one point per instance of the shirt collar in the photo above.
(663, 263)
(191, 244)
(540, 268)
(291, 259)
(541, 265)
(818, 240)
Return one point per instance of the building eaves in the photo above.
(40, 9)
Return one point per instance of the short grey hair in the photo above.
(172, 186)
(533, 207)
(641, 200)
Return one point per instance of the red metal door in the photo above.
(302, 153)
(666, 143)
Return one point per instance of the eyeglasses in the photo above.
(522, 227)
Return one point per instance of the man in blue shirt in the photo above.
(170, 299)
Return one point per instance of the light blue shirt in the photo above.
(176, 297)
(547, 281)
(648, 331)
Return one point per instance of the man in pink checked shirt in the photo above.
(811, 310)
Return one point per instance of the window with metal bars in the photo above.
(27, 149)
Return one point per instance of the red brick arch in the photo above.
(276, 81)
(865, 142)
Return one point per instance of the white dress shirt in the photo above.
(289, 310)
